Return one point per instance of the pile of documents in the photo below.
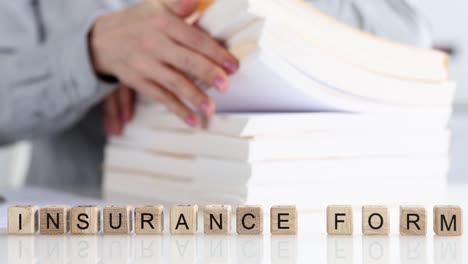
(319, 113)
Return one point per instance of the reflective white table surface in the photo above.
(311, 245)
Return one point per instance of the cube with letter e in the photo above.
(283, 220)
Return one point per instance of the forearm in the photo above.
(47, 88)
(392, 19)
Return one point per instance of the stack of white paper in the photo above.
(235, 160)
(313, 117)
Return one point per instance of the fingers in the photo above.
(112, 122)
(200, 42)
(126, 101)
(181, 8)
(169, 100)
(176, 83)
(194, 64)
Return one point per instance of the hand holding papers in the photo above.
(319, 113)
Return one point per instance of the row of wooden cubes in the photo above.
(56, 220)
(447, 220)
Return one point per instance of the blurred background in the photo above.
(447, 19)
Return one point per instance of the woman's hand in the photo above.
(119, 108)
(151, 48)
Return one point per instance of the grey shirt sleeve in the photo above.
(398, 20)
(47, 82)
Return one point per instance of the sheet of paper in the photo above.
(266, 83)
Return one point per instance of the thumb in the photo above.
(182, 8)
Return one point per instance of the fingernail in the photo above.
(207, 108)
(230, 66)
(191, 121)
(220, 83)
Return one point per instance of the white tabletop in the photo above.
(310, 245)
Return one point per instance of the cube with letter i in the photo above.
(23, 219)
(339, 220)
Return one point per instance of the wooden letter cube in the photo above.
(283, 220)
(217, 219)
(184, 219)
(375, 220)
(54, 220)
(448, 221)
(23, 219)
(149, 219)
(118, 220)
(85, 220)
(413, 221)
(249, 220)
(339, 220)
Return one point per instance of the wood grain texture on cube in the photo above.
(249, 220)
(149, 219)
(283, 220)
(118, 219)
(448, 220)
(413, 221)
(339, 220)
(54, 220)
(23, 219)
(375, 220)
(217, 219)
(184, 219)
(85, 220)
